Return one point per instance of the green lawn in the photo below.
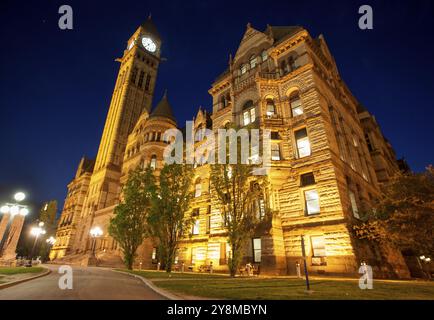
(223, 287)
(20, 270)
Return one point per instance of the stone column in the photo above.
(13, 237)
(3, 225)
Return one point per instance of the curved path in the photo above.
(89, 283)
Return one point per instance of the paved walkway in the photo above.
(88, 284)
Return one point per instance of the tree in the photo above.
(242, 203)
(129, 224)
(404, 214)
(168, 222)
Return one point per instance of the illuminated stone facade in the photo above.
(324, 172)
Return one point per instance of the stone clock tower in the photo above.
(132, 96)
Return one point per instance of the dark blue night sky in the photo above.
(55, 86)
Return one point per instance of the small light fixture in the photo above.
(4, 209)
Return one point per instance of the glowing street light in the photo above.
(95, 232)
(19, 196)
(36, 232)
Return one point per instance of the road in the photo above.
(88, 284)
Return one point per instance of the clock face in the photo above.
(148, 44)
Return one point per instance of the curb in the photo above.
(149, 283)
(13, 283)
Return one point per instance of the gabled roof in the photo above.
(163, 109)
(279, 33)
(150, 27)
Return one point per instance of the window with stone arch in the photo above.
(295, 103)
(198, 188)
(249, 113)
(243, 68)
(270, 107)
(153, 164)
(264, 55)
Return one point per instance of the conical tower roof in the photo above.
(163, 109)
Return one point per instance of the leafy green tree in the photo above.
(168, 221)
(242, 202)
(404, 214)
(129, 224)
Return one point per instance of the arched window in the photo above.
(295, 102)
(153, 164)
(253, 61)
(271, 108)
(264, 55)
(243, 69)
(249, 113)
(198, 188)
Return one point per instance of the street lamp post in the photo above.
(9, 211)
(303, 251)
(36, 232)
(95, 232)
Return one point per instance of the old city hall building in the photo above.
(328, 157)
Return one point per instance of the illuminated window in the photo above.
(312, 202)
(259, 206)
(243, 68)
(198, 188)
(264, 55)
(253, 62)
(153, 162)
(154, 253)
(296, 107)
(275, 152)
(318, 246)
(354, 205)
(195, 230)
(208, 223)
(249, 113)
(303, 144)
(257, 249)
(271, 108)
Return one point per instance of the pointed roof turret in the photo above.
(163, 109)
(150, 27)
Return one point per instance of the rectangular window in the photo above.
(296, 108)
(142, 75)
(198, 190)
(260, 208)
(257, 250)
(318, 246)
(354, 205)
(246, 116)
(208, 224)
(307, 179)
(193, 255)
(195, 230)
(312, 202)
(148, 82)
(275, 152)
(303, 144)
(154, 253)
(134, 75)
(252, 115)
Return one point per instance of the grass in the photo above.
(20, 270)
(223, 287)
